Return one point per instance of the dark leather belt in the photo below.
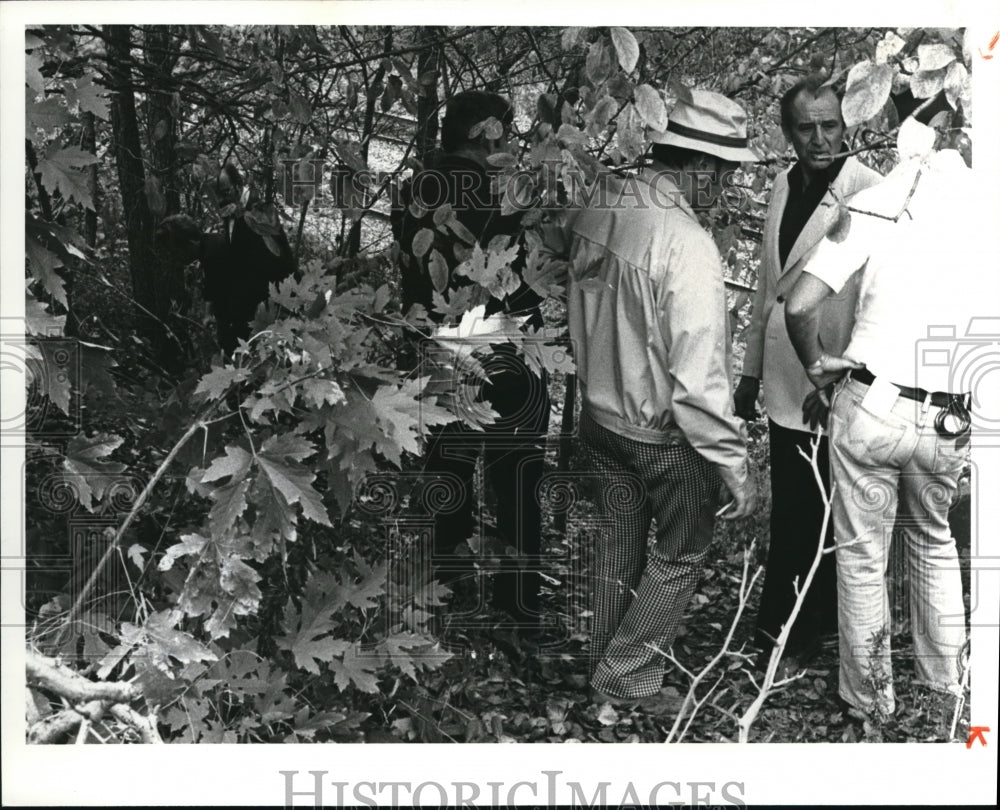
(939, 399)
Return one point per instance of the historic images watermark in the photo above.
(544, 790)
(343, 187)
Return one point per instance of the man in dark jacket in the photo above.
(239, 265)
(476, 125)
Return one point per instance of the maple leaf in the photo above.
(430, 414)
(224, 591)
(306, 727)
(343, 477)
(474, 267)
(546, 278)
(276, 703)
(539, 354)
(135, 554)
(163, 639)
(190, 712)
(33, 73)
(39, 321)
(44, 263)
(288, 445)
(242, 671)
(308, 634)
(59, 173)
(58, 370)
(469, 408)
(274, 395)
(398, 412)
(319, 392)
(430, 593)
(240, 581)
(408, 651)
(214, 384)
(457, 302)
(235, 462)
(364, 590)
(88, 95)
(356, 669)
(273, 517)
(485, 268)
(49, 114)
(190, 544)
(506, 283)
(85, 469)
(294, 482)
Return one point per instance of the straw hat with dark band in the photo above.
(709, 123)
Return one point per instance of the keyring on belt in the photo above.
(954, 419)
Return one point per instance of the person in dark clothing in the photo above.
(476, 125)
(797, 219)
(237, 266)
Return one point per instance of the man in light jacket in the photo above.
(648, 324)
(801, 201)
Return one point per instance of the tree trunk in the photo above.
(353, 244)
(89, 144)
(428, 65)
(161, 56)
(151, 294)
(128, 160)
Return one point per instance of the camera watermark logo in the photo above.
(49, 371)
(970, 358)
(436, 529)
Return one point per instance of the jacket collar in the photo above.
(659, 176)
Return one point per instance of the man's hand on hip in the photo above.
(745, 398)
(828, 369)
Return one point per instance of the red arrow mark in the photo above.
(990, 47)
(976, 733)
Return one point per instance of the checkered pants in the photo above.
(642, 590)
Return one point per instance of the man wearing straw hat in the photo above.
(647, 315)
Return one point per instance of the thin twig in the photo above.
(120, 533)
(769, 683)
(691, 702)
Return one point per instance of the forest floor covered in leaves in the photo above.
(502, 687)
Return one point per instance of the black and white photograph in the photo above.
(412, 374)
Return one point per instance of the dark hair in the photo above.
(676, 157)
(812, 83)
(232, 174)
(467, 109)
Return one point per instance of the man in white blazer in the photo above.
(802, 200)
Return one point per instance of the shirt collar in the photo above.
(661, 177)
(824, 177)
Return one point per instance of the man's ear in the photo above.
(704, 163)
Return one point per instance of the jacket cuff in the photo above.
(734, 477)
(753, 362)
